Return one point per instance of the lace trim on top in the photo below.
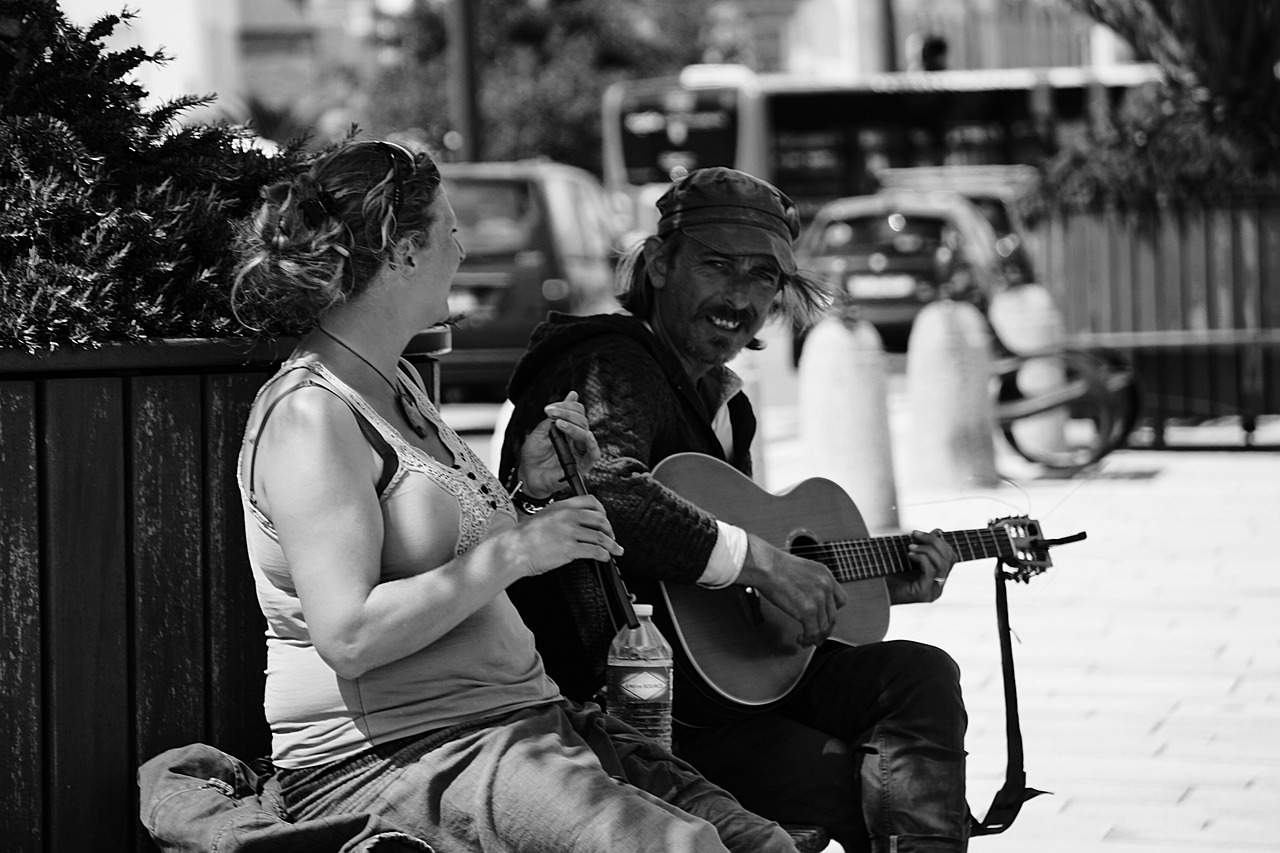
(469, 481)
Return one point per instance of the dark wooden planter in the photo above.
(1191, 292)
(127, 608)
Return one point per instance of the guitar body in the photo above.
(735, 651)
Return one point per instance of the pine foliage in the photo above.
(115, 220)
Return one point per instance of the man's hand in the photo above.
(803, 589)
(540, 469)
(932, 558)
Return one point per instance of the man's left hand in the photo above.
(540, 469)
(932, 559)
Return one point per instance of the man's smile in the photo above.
(729, 320)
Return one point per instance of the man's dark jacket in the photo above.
(642, 407)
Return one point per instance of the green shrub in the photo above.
(115, 220)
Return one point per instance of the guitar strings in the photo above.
(893, 544)
(870, 555)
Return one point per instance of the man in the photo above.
(871, 744)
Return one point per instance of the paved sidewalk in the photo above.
(1148, 657)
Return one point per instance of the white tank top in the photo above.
(431, 513)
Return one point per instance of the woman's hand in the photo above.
(540, 469)
(572, 529)
(933, 558)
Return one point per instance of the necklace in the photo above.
(405, 402)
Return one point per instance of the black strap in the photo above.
(1009, 799)
(390, 461)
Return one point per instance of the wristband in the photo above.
(526, 502)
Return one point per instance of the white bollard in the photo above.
(844, 416)
(1028, 321)
(950, 399)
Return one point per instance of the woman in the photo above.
(400, 680)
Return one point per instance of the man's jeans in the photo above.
(558, 778)
(869, 746)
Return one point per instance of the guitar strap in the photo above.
(1009, 799)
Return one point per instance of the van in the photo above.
(540, 236)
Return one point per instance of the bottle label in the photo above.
(646, 685)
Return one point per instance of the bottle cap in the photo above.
(643, 609)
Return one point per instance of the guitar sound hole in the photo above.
(803, 545)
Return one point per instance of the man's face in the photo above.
(708, 305)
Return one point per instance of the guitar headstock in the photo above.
(1028, 550)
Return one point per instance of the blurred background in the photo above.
(534, 70)
(1119, 154)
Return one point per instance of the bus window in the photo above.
(675, 132)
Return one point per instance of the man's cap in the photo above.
(732, 213)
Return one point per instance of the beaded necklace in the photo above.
(405, 402)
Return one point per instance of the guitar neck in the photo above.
(861, 559)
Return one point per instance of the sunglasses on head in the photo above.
(397, 158)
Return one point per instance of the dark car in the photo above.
(994, 190)
(539, 236)
(892, 253)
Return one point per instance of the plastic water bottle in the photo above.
(638, 687)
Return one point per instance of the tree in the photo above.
(1223, 55)
(1211, 130)
(543, 68)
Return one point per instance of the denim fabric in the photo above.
(198, 799)
(870, 746)
(558, 778)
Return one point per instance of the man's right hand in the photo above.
(803, 589)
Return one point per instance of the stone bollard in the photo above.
(844, 416)
(1028, 321)
(950, 399)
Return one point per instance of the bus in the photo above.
(818, 141)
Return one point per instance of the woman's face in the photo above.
(438, 258)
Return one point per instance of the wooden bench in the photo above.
(128, 619)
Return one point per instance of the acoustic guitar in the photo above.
(735, 651)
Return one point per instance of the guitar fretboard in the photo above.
(861, 559)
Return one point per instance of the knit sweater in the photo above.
(642, 407)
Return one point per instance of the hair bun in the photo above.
(315, 202)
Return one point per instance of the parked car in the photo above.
(894, 252)
(994, 190)
(540, 236)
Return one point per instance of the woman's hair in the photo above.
(803, 298)
(319, 238)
